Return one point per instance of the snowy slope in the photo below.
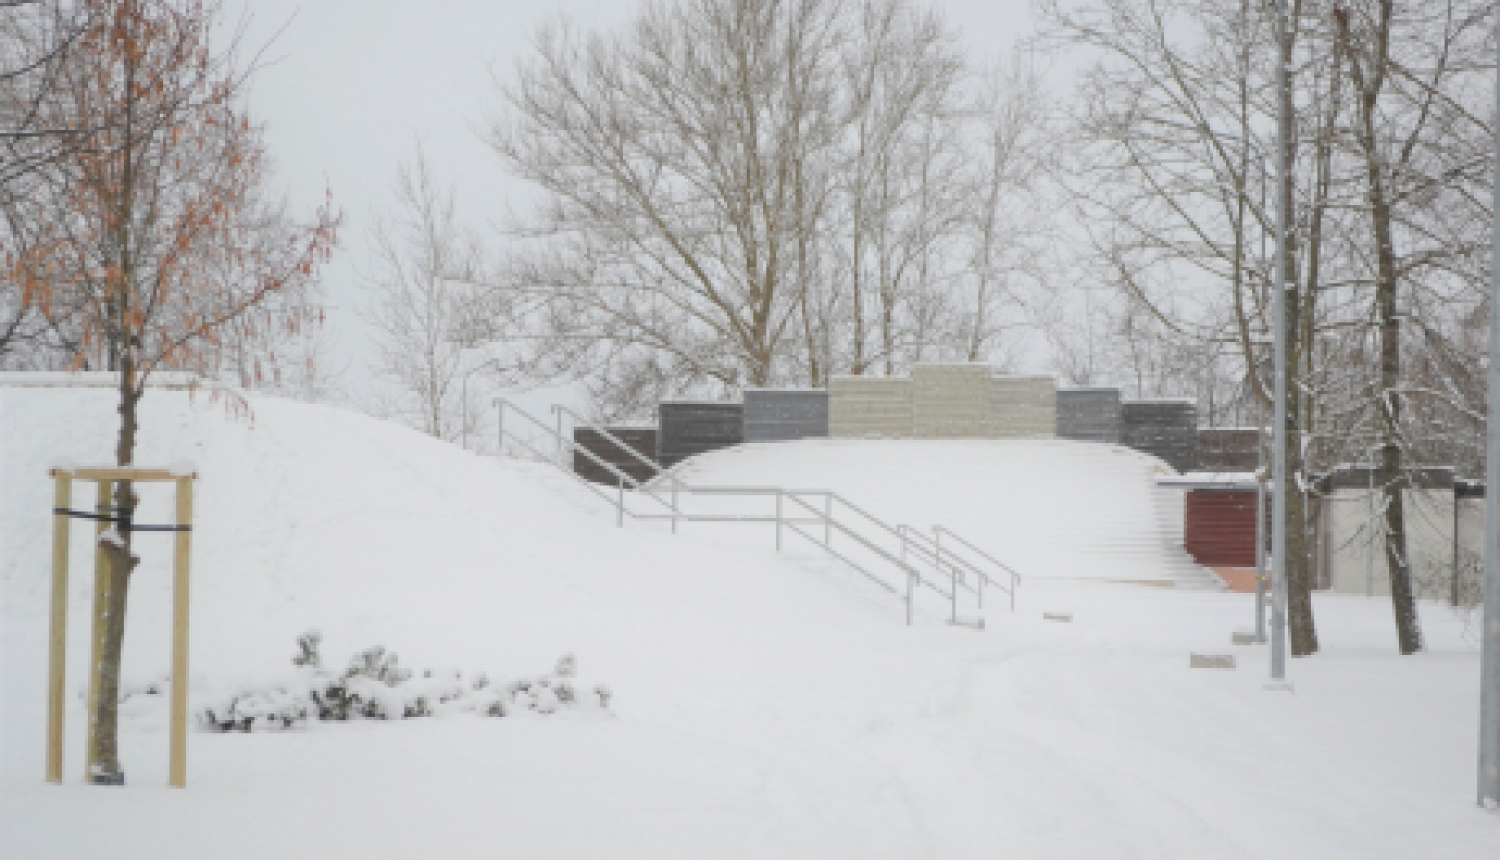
(765, 705)
(1051, 509)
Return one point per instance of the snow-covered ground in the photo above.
(765, 704)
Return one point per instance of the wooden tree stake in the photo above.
(57, 654)
(180, 571)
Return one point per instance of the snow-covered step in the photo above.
(1048, 508)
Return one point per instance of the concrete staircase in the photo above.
(1052, 509)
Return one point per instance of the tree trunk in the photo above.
(1369, 81)
(1301, 627)
(122, 563)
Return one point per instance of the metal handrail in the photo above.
(594, 488)
(620, 475)
(824, 517)
(867, 544)
(1015, 578)
(930, 550)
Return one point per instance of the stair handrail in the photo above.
(1015, 577)
(621, 477)
(832, 521)
(912, 574)
(925, 546)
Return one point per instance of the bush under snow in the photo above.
(376, 687)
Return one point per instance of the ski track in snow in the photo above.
(767, 705)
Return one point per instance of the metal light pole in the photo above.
(1260, 528)
(1278, 455)
(1489, 672)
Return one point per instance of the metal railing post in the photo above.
(778, 519)
(911, 594)
(676, 511)
(828, 519)
(620, 506)
(500, 428)
(953, 580)
(560, 446)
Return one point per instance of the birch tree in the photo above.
(419, 301)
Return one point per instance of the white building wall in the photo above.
(1354, 541)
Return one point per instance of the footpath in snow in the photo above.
(765, 704)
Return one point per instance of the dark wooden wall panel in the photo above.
(641, 439)
(1220, 527)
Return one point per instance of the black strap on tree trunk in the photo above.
(123, 523)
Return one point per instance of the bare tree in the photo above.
(753, 192)
(424, 260)
(1409, 66)
(1172, 186)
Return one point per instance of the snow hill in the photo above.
(766, 705)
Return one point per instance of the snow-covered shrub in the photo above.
(547, 694)
(376, 687)
(257, 710)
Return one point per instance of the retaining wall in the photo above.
(1228, 449)
(952, 401)
(1089, 414)
(862, 407)
(685, 429)
(1023, 407)
(1165, 428)
(779, 415)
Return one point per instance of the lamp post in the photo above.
(1489, 672)
(1279, 489)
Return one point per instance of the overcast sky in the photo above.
(350, 86)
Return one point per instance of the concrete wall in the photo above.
(952, 401)
(1023, 407)
(944, 401)
(865, 407)
(1165, 428)
(1228, 449)
(1089, 414)
(1352, 542)
(777, 415)
(685, 429)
